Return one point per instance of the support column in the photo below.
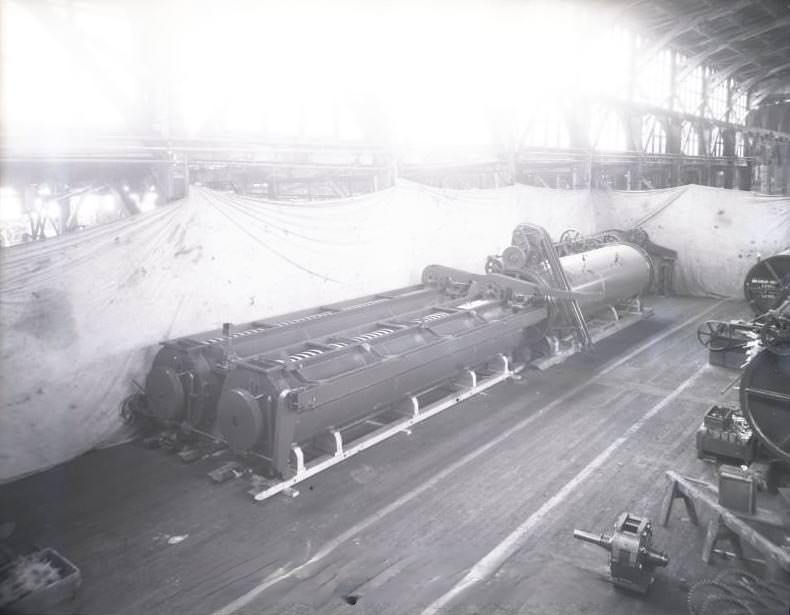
(728, 137)
(186, 175)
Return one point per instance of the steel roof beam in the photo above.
(689, 21)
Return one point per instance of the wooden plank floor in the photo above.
(402, 524)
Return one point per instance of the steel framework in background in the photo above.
(680, 117)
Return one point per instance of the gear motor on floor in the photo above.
(632, 559)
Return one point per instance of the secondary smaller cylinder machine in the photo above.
(605, 271)
(632, 558)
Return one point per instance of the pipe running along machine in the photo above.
(294, 395)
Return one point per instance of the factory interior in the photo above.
(367, 307)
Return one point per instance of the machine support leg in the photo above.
(299, 458)
(409, 407)
(338, 443)
(415, 406)
(471, 379)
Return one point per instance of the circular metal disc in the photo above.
(766, 282)
(240, 419)
(765, 400)
(514, 258)
(165, 393)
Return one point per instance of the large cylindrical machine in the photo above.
(767, 284)
(281, 385)
(186, 376)
(274, 400)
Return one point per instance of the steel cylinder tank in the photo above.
(186, 375)
(767, 283)
(609, 275)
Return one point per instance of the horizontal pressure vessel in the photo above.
(609, 275)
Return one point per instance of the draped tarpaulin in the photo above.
(81, 315)
(718, 234)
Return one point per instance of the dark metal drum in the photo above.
(765, 400)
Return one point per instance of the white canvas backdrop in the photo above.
(718, 234)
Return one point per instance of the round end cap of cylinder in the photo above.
(240, 419)
(514, 258)
(165, 393)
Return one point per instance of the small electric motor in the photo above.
(632, 559)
